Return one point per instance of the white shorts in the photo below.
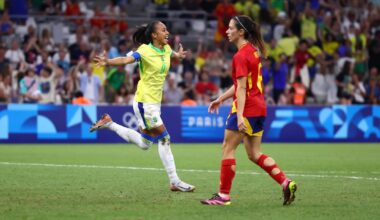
(148, 115)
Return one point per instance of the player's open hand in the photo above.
(214, 106)
(181, 53)
(101, 60)
(241, 125)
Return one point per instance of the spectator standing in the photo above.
(90, 84)
(172, 94)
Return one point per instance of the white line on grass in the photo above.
(182, 170)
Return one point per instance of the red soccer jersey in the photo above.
(247, 63)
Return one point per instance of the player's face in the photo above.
(232, 32)
(161, 34)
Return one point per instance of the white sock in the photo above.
(167, 159)
(130, 135)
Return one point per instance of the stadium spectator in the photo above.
(299, 92)
(280, 73)
(300, 69)
(114, 81)
(48, 80)
(71, 85)
(188, 99)
(374, 51)
(188, 82)
(248, 112)
(80, 99)
(89, 83)
(14, 54)
(172, 94)
(5, 88)
(224, 11)
(62, 59)
(122, 96)
(5, 68)
(6, 25)
(359, 92)
(205, 89)
(29, 88)
(319, 86)
(344, 83)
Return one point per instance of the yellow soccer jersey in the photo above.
(154, 66)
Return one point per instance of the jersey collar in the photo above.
(158, 50)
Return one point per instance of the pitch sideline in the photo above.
(289, 173)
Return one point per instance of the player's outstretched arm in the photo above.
(102, 60)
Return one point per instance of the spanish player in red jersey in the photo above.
(246, 119)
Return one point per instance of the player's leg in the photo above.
(164, 150)
(252, 146)
(152, 124)
(232, 139)
(127, 134)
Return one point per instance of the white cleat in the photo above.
(182, 187)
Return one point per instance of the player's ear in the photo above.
(241, 32)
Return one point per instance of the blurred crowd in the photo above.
(319, 52)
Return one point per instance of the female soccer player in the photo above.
(246, 120)
(153, 56)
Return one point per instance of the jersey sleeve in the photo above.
(135, 55)
(241, 66)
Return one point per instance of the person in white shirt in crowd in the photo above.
(319, 86)
(14, 54)
(359, 92)
(89, 83)
(49, 77)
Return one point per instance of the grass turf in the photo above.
(336, 181)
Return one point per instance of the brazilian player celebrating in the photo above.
(153, 56)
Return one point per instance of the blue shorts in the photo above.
(255, 125)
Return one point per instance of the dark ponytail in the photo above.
(143, 34)
(251, 32)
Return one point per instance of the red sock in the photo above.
(227, 174)
(280, 177)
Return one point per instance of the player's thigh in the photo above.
(231, 141)
(148, 116)
(252, 146)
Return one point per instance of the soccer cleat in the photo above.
(216, 199)
(182, 187)
(288, 193)
(103, 122)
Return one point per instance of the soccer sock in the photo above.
(130, 135)
(167, 159)
(227, 174)
(273, 170)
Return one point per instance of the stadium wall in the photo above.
(70, 123)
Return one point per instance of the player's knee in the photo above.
(145, 144)
(165, 140)
(268, 162)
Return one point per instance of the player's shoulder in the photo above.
(142, 47)
(167, 49)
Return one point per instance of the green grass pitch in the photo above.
(105, 181)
